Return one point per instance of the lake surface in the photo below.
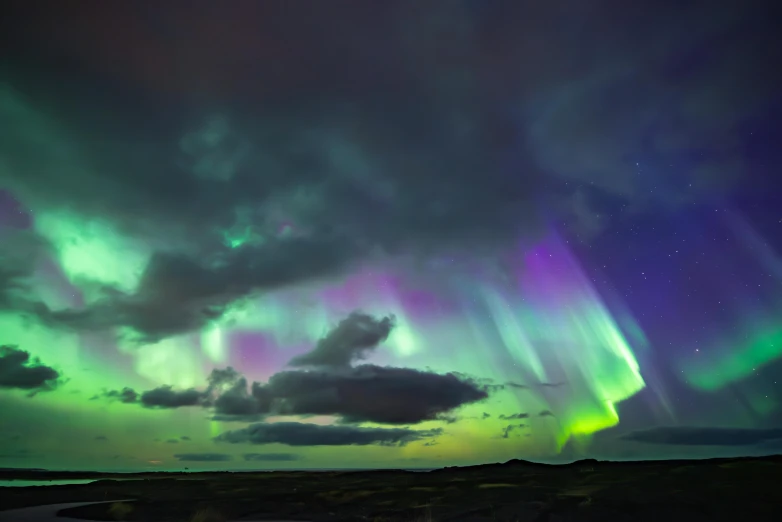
(25, 483)
(63, 482)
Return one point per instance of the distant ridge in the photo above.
(589, 463)
(45, 474)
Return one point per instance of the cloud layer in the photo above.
(704, 436)
(469, 146)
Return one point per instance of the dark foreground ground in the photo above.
(744, 490)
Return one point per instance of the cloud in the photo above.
(270, 457)
(177, 294)
(330, 166)
(223, 378)
(366, 393)
(546, 413)
(707, 436)
(173, 441)
(203, 457)
(348, 342)
(507, 430)
(167, 397)
(370, 393)
(125, 395)
(515, 416)
(20, 371)
(301, 434)
(185, 438)
(101, 437)
(235, 399)
(323, 169)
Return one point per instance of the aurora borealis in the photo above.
(248, 237)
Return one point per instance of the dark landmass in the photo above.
(706, 490)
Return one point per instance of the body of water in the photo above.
(25, 483)
(62, 482)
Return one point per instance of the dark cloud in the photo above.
(546, 413)
(125, 395)
(173, 441)
(235, 399)
(301, 434)
(515, 416)
(270, 457)
(20, 371)
(348, 342)
(203, 457)
(370, 393)
(695, 436)
(101, 437)
(168, 397)
(185, 438)
(222, 378)
(366, 393)
(485, 415)
(227, 392)
(507, 430)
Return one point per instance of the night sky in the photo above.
(349, 234)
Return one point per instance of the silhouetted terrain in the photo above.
(661, 491)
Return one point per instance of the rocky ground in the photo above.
(666, 491)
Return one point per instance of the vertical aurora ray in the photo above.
(213, 343)
(576, 339)
(553, 328)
